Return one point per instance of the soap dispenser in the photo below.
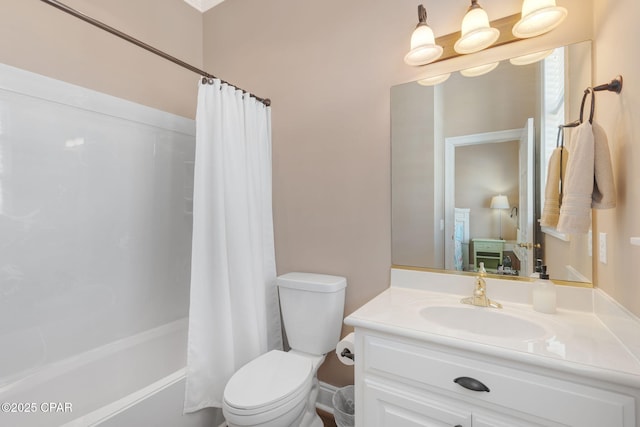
(538, 269)
(544, 293)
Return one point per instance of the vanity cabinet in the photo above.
(401, 382)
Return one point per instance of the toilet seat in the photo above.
(275, 381)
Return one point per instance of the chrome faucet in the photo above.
(479, 297)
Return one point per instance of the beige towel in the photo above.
(575, 211)
(604, 189)
(552, 193)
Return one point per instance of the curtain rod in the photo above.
(205, 76)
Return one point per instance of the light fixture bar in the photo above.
(506, 36)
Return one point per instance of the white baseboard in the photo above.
(325, 396)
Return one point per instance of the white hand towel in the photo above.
(575, 211)
(552, 193)
(604, 189)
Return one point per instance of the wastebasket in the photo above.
(344, 407)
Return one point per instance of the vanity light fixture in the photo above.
(531, 58)
(479, 70)
(476, 34)
(432, 81)
(423, 44)
(500, 202)
(538, 17)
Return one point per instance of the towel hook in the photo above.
(593, 104)
(614, 85)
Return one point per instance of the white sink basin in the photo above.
(482, 321)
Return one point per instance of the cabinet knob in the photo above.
(471, 384)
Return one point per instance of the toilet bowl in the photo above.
(279, 389)
(270, 391)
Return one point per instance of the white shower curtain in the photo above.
(233, 314)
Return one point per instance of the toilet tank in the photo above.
(312, 308)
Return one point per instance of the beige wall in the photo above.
(483, 171)
(39, 38)
(328, 68)
(502, 99)
(616, 52)
(416, 239)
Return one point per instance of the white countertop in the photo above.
(573, 340)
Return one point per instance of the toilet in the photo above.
(279, 389)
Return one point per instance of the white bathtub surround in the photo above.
(233, 315)
(150, 372)
(159, 404)
(95, 218)
(416, 338)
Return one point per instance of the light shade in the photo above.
(538, 17)
(476, 34)
(531, 58)
(432, 81)
(423, 44)
(479, 70)
(499, 202)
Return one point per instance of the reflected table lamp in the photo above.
(500, 202)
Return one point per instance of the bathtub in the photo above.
(136, 381)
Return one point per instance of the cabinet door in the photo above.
(388, 406)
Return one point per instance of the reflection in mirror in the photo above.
(461, 143)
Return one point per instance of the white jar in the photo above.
(544, 296)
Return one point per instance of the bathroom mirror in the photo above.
(469, 160)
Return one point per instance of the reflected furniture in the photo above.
(488, 251)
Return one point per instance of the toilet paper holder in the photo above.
(347, 353)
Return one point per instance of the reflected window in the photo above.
(553, 89)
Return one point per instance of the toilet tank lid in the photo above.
(312, 282)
